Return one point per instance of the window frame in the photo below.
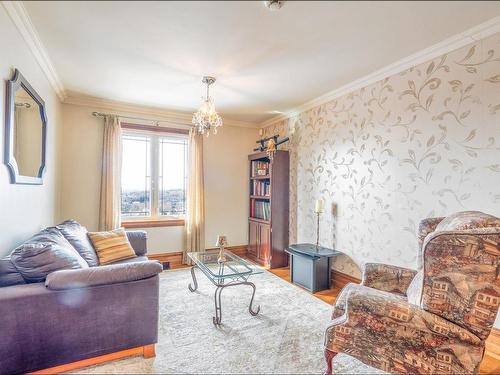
(154, 219)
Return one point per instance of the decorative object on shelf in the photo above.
(206, 118)
(264, 143)
(318, 209)
(221, 243)
(274, 4)
(271, 148)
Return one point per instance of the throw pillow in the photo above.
(9, 275)
(45, 252)
(76, 235)
(111, 246)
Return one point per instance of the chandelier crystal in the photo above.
(206, 118)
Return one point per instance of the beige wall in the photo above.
(81, 166)
(26, 208)
(226, 184)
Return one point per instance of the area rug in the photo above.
(285, 338)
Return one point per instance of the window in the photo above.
(154, 176)
(136, 175)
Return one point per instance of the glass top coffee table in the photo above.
(234, 271)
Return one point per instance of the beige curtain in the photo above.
(109, 211)
(195, 216)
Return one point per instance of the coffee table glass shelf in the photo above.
(232, 272)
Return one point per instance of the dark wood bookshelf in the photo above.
(268, 228)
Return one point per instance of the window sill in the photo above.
(153, 223)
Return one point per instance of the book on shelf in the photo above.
(261, 188)
(260, 210)
(260, 168)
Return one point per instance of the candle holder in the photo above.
(318, 214)
(221, 243)
(318, 209)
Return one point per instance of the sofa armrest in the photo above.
(102, 275)
(138, 240)
(387, 278)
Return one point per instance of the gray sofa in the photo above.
(77, 311)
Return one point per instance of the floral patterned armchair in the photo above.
(434, 320)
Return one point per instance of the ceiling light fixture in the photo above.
(207, 118)
(274, 4)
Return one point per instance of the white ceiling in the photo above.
(155, 53)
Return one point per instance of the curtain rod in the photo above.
(101, 114)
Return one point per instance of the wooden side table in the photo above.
(310, 266)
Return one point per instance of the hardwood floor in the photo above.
(490, 363)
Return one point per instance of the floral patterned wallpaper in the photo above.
(425, 142)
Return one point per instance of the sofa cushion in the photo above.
(9, 275)
(467, 220)
(111, 246)
(76, 234)
(45, 252)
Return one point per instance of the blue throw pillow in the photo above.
(9, 275)
(45, 252)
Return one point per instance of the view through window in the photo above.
(154, 175)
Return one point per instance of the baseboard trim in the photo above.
(340, 279)
(147, 351)
(175, 258)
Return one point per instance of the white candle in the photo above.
(319, 208)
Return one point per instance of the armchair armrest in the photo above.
(138, 240)
(387, 278)
(102, 275)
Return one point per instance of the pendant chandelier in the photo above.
(207, 118)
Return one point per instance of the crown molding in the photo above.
(181, 118)
(19, 16)
(455, 42)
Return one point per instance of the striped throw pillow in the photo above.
(111, 246)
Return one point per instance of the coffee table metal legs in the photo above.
(194, 280)
(250, 308)
(217, 319)
(218, 306)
